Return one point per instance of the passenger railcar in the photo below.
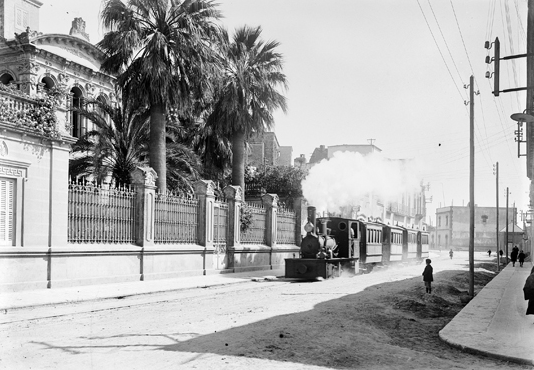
(371, 242)
(423, 244)
(392, 244)
(409, 248)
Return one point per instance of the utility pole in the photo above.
(530, 85)
(513, 225)
(530, 102)
(506, 241)
(472, 187)
(497, 198)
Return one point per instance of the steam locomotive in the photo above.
(335, 246)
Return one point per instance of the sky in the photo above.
(391, 73)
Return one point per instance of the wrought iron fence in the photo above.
(285, 226)
(100, 214)
(176, 219)
(256, 232)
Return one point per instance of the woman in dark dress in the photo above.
(513, 255)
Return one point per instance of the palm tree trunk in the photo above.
(158, 146)
(238, 160)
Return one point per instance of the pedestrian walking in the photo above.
(501, 253)
(451, 253)
(513, 255)
(521, 258)
(528, 291)
(427, 276)
(489, 253)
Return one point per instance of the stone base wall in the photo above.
(78, 265)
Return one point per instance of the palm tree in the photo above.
(252, 72)
(183, 163)
(120, 141)
(160, 51)
(114, 147)
(213, 147)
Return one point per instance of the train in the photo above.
(336, 245)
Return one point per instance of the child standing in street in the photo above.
(427, 276)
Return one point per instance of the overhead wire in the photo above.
(439, 49)
(444, 40)
(486, 142)
(511, 47)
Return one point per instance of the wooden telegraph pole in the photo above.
(497, 196)
(472, 187)
(530, 104)
(506, 239)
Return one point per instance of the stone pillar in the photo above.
(204, 192)
(270, 202)
(234, 197)
(300, 205)
(144, 181)
(59, 189)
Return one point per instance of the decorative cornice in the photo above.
(67, 40)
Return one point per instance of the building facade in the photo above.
(266, 151)
(453, 224)
(33, 62)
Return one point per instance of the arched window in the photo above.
(78, 128)
(6, 78)
(48, 83)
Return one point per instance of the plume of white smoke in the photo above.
(347, 178)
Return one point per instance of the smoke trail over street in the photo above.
(348, 177)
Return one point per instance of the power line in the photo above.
(444, 40)
(440, 53)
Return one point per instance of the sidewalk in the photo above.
(494, 322)
(17, 306)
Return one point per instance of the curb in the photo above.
(477, 351)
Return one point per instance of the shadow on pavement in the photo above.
(393, 325)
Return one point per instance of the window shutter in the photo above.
(7, 200)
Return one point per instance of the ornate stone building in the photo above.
(33, 61)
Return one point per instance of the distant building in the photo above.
(453, 223)
(301, 162)
(318, 155)
(286, 153)
(266, 151)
